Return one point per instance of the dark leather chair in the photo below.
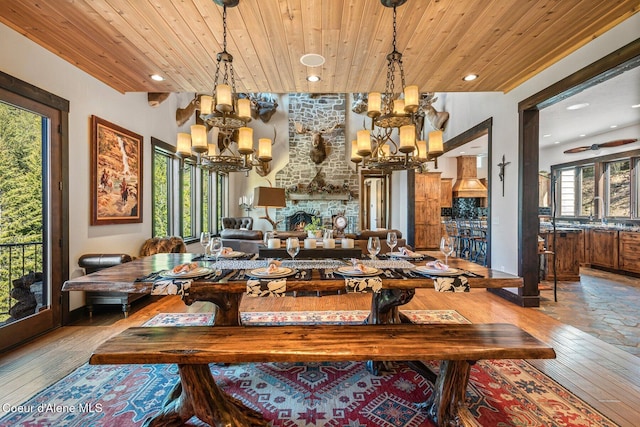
(239, 228)
(96, 262)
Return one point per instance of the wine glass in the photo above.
(446, 247)
(205, 240)
(293, 247)
(216, 247)
(392, 240)
(373, 246)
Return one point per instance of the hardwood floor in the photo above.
(604, 376)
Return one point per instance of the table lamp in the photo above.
(267, 197)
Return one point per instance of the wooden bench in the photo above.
(192, 348)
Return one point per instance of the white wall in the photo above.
(25, 60)
(554, 154)
(469, 109)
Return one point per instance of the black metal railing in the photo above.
(16, 261)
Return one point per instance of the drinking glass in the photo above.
(373, 246)
(205, 240)
(392, 240)
(216, 247)
(446, 247)
(293, 247)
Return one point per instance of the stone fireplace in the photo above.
(323, 189)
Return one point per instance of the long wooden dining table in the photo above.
(133, 277)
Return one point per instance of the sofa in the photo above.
(238, 234)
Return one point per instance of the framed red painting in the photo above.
(116, 174)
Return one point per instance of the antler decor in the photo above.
(319, 149)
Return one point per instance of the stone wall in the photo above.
(318, 112)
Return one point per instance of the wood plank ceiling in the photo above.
(123, 42)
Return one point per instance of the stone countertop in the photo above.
(546, 227)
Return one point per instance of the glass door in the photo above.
(29, 191)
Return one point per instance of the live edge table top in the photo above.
(123, 278)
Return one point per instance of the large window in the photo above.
(186, 199)
(604, 188)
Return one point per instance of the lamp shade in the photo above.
(245, 140)
(223, 98)
(411, 98)
(422, 150)
(199, 138)
(364, 143)
(183, 145)
(269, 197)
(244, 109)
(374, 104)
(206, 104)
(435, 142)
(407, 138)
(355, 157)
(264, 149)
(398, 106)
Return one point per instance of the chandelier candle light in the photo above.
(375, 148)
(227, 115)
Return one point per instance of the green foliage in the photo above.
(314, 225)
(20, 175)
(21, 197)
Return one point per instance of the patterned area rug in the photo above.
(500, 393)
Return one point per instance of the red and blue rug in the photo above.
(500, 393)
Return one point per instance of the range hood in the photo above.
(468, 184)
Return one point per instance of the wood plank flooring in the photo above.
(601, 374)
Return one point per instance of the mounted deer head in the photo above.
(263, 106)
(437, 119)
(319, 149)
(183, 114)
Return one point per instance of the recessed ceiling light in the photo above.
(582, 135)
(613, 126)
(470, 77)
(462, 152)
(578, 106)
(313, 78)
(557, 142)
(157, 77)
(547, 135)
(635, 106)
(312, 60)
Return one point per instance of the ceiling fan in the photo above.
(615, 143)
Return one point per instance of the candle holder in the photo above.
(246, 204)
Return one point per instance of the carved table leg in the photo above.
(446, 406)
(228, 307)
(384, 311)
(200, 396)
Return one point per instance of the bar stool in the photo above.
(543, 260)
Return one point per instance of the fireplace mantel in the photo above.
(319, 196)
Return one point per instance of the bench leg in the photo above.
(198, 394)
(446, 406)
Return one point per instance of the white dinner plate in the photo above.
(200, 271)
(350, 271)
(233, 254)
(401, 255)
(280, 272)
(435, 272)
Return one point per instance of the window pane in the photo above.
(220, 198)
(567, 192)
(187, 217)
(160, 191)
(587, 189)
(619, 188)
(205, 201)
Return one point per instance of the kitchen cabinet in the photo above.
(427, 210)
(569, 251)
(446, 194)
(629, 245)
(603, 248)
